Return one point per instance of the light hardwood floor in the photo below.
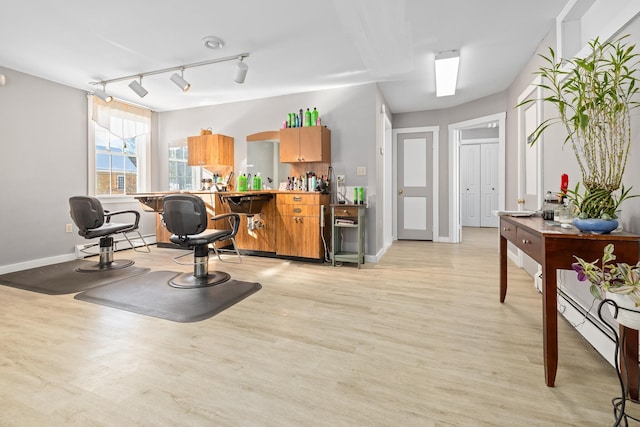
(419, 339)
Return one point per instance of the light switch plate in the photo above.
(361, 170)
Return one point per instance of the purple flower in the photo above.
(580, 270)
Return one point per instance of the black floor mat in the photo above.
(57, 279)
(151, 295)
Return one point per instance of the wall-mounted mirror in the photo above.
(263, 156)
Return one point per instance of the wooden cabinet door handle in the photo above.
(525, 241)
(297, 210)
(297, 198)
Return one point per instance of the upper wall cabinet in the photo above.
(305, 144)
(207, 150)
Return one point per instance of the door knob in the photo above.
(401, 192)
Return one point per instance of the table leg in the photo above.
(503, 268)
(550, 322)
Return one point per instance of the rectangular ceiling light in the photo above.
(447, 72)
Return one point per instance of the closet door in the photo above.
(489, 184)
(470, 164)
(479, 184)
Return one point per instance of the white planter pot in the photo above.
(628, 313)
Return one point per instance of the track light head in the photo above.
(137, 88)
(241, 71)
(100, 93)
(180, 81)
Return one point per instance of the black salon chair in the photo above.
(185, 216)
(93, 221)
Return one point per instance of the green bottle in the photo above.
(314, 117)
(257, 182)
(242, 182)
(307, 118)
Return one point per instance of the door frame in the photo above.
(435, 177)
(535, 90)
(455, 133)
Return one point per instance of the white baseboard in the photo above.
(4, 269)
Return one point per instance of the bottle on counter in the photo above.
(315, 117)
(361, 195)
(356, 193)
(300, 118)
(242, 182)
(548, 207)
(257, 182)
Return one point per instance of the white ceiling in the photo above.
(294, 46)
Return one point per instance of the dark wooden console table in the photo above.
(553, 248)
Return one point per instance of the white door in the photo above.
(489, 185)
(470, 185)
(529, 157)
(415, 186)
(479, 184)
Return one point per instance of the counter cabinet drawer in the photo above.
(298, 199)
(299, 210)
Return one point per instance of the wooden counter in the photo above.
(290, 224)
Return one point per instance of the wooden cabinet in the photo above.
(260, 238)
(300, 224)
(210, 150)
(305, 144)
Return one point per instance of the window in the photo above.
(118, 148)
(181, 176)
(120, 182)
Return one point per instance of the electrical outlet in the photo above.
(361, 170)
(340, 179)
(68, 228)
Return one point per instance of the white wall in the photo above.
(43, 137)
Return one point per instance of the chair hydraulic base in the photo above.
(106, 261)
(189, 281)
(201, 277)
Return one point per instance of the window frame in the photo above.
(143, 143)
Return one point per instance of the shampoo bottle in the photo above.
(307, 118)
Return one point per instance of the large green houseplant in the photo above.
(594, 96)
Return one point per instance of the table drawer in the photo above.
(350, 211)
(530, 244)
(508, 231)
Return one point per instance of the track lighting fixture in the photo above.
(102, 94)
(241, 71)
(137, 88)
(180, 81)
